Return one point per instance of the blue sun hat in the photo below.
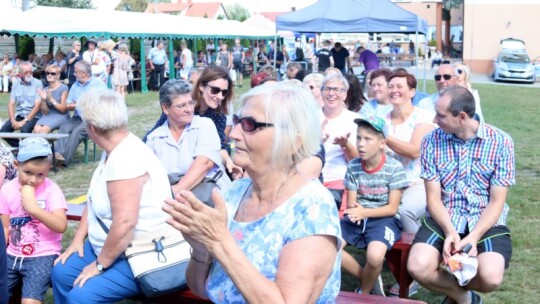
(33, 147)
(375, 121)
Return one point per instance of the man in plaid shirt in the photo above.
(467, 167)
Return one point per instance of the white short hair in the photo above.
(293, 112)
(104, 109)
(315, 77)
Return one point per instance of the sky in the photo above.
(252, 5)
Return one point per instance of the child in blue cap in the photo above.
(33, 214)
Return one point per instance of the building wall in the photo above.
(426, 10)
(486, 22)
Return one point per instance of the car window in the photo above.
(515, 58)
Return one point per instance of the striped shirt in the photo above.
(467, 169)
(374, 186)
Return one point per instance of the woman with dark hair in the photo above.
(355, 96)
(407, 126)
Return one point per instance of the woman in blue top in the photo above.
(273, 237)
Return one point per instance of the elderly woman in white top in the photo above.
(314, 81)
(339, 133)
(186, 144)
(463, 73)
(273, 237)
(126, 194)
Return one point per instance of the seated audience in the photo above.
(24, 104)
(257, 244)
(338, 129)
(466, 198)
(53, 102)
(7, 166)
(5, 73)
(33, 214)
(464, 80)
(93, 268)
(66, 147)
(186, 144)
(355, 96)
(374, 184)
(314, 82)
(407, 125)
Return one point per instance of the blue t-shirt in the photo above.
(311, 211)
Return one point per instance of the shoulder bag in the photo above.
(203, 191)
(158, 259)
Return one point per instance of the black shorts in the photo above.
(496, 239)
(238, 66)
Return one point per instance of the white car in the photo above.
(513, 63)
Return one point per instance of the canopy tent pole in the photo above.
(51, 46)
(275, 50)
(144, 87)
(416, 50)
(171, 59)
(252, 43)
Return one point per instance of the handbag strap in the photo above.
(102, 224)
(216, 176)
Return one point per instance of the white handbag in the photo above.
(158, 259)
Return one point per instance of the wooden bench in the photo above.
(397, 262)
(396, 258)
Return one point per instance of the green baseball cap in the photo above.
(375, 121)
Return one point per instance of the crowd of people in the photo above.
(318, 162)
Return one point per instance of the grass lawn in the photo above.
(510, 108)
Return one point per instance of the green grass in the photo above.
(512, 109)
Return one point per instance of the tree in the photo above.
(136, 5)
(65, 3)
(448, 5)
(237, 12)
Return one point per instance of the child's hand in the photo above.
(28, 198)
(356, 213)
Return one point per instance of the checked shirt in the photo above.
(467, 169)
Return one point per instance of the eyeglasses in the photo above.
(249, 124)
(335, 90)
(27, 73)
(50, 73)
(184, 105)
(216, 90)
(445, 76)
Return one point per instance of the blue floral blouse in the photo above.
(311, 211)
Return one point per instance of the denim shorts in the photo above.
(35, 273)
(383, 229)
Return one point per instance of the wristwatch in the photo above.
(100, 267)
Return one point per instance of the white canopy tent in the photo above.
(62, 22)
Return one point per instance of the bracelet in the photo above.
(199, 261)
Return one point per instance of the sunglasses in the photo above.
(50, 73)
(216, 90)
(445, 76)
(249, 124)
